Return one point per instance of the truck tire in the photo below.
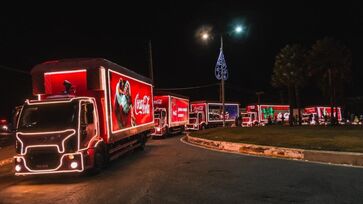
(100, 160)
(142, 141)
(203, 127)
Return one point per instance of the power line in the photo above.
(14, 70)
(187, 88)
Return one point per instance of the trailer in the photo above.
(170, 114)
(261, 114)
(87, 112)
(205, 114)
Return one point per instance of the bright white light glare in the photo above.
(17, 168)
(157, 129)
(205, 36)
(74, 165)
(5, 127)
(238, 29)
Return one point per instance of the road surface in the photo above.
(169, 171)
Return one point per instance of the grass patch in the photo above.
(341, 138)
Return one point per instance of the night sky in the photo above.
(120, 33)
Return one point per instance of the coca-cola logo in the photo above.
(198, 108)
(142, 105)
(158, 102)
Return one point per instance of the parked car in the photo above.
(5, 130)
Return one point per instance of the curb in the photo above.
(330, 157)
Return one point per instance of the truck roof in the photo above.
(166, 93)
(207, 101)
(84, 63)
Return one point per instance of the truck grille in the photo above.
(43, 158)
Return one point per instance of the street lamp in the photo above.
(205, 36)
(221, 71)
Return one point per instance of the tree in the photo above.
(289, 72)
(330, 63)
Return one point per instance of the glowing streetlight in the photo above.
(205, 36)
(238, 29)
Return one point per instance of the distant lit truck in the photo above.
(259, 114)
(170, 114)
(205, 114)
(87, 112)
(320, 114)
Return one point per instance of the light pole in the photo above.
(221, 71)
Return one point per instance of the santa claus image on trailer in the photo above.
(123, 105)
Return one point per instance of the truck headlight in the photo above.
(158, 129)
(17, 168)
(5, 128)
(74, 165)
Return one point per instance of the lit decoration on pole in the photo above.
(221, 73)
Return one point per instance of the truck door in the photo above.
(200, 118)
(163, 118)
(88, 125)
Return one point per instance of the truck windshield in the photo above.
(193, 115)
(157, 115)
(55, 116)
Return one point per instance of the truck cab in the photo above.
(161, 124)
(249, 119)
(196, 121)
(56, 135)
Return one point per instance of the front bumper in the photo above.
(191, 127)
(67, 163)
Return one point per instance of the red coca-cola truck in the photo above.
(87, 112)
(260, 114)
(204, 114)
(170, 114)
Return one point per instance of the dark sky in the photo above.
(120, 33)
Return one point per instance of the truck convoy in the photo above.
(170, 114)
(260, 114)
(206, 114)
(87, 111)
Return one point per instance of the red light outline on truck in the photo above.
(51, 171)
(81, 99)
(48, 145)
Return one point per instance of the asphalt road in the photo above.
(169, 171)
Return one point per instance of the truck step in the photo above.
(127, 149)
(122, 146)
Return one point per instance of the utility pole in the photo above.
(259, 93)
(151, 68)
(223, 108)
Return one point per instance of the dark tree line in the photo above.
(327, 62)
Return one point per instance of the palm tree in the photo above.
(289, 72)
(330, 62)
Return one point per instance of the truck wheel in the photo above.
(142, 141)
(202, 127)
(167, 133)
(100, 161)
